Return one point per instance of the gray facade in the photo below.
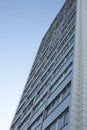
(54, 97)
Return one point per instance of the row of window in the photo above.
(16, 122)
(71, 18)
(69, 14)
(24, 122)
(63, 62)
(20, 108)
(60, 97)
(66, 47)
(63, 33)
(40, 103)
(28, 107)
(70, 2)
(67, 27)
(66, 72)
(29, 95)
(36, 122)
(36, 95)
(19, 118)
(60, 122)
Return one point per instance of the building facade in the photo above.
(54, 97)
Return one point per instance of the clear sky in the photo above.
(23, 23)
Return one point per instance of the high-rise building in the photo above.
(55, 95)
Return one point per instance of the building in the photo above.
(55, 95)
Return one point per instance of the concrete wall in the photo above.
(78, 115)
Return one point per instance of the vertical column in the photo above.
(78, 115)
(83, 86)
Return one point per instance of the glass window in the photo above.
(66, 117)
(38, 128)
(64, 94)
(54, 125)
(57, 100)
(60, 122)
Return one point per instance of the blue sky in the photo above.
(23, 23)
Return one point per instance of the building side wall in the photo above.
(46, 99)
